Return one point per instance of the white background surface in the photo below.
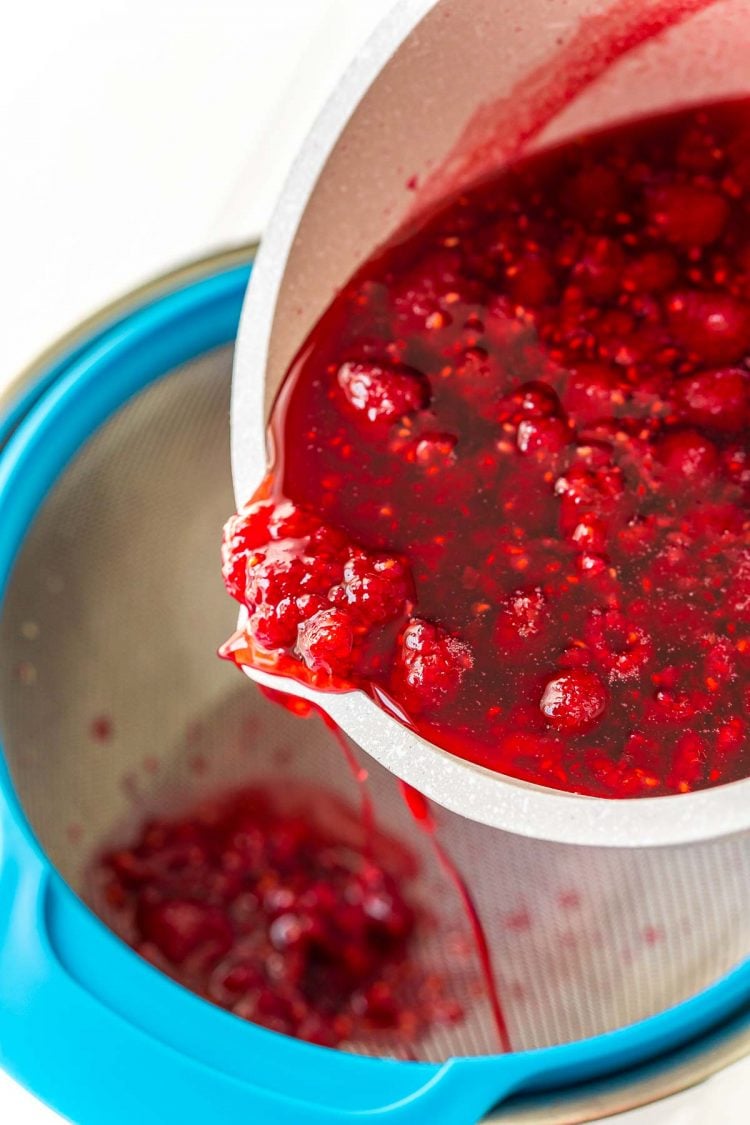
(135, 134)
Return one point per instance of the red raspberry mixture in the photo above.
(513, 497)
(280, 913)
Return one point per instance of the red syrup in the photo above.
(509, 494)
(267, 902)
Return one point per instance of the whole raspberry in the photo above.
(380, 392)
(714, 327)
(598, 272)
(685, 215)
(243, 533)
(652, 272)
(375, 588)
(531, 400)
(531, 281)
(574, 701)
(430, 664)
(687, 458)
(325, 642)
(542, 436)
(719, 399)
(593, 391)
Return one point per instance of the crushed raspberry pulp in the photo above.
(278, 909)
(509, 495)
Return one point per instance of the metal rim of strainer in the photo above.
(602, 1099)
(461, 786)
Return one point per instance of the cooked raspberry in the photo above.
(531, 400)
(273, 577)
(574, 701)
(523, 615)
(325, 642)
(587, 490)
(599, 270)
(288, 521)
(715, 519)
(590, 534)
(542, 436)
(700, 150)
(531, 282)
(720, 663)
(719, 399)
(244, 532)
(430, 664)
(593, 191)
(715, 327)
(425, 299)
(178, 927)
(687, 458)
(736, 463)
(376, 588)
(652, 272)
(622, 647)
(382, 393)
(435, 452)
(738, 586)
(730, 738)
(686, 215)
(688, 763)
(679, 705)
(274, 626)
(328, 543)
(643, 752)
(617, 337)
(592, 392)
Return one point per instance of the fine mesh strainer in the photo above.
(113, 609)
(116, 609)
(591, 923)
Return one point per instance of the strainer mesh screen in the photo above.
(114, 614)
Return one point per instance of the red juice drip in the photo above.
(358, 772)
(420, 810)
(303, 708)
